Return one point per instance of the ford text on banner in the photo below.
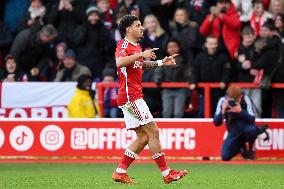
(105, 137)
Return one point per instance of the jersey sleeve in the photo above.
(120, 51)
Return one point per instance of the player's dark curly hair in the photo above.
(126, 22)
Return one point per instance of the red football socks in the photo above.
(127, 159)
(160, 161)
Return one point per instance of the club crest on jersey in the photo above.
(137, 64)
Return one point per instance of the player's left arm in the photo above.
(168, 60)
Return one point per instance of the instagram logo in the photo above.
(51, 137)
(2, 138)
(21, 138)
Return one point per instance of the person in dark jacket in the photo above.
(14, 10)
(6, 40)
(94, 43)
(72, 69)
(223, 21)
(30, 49)
(66, 15)
(11, 72)
(279, 25)
(266, 58)
(173, 99)
(34, 17)
(236, 109)
(211, 65)
(130, 7)
(154, 35)
(187, 32)
(198, 10)
(245, 59)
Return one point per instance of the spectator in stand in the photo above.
(279, 24)
(198, 10)
(266, 58)
(6, 40)
(106, 12)
(30, 49)
(14, 11)
(130, 7)
(244, 8)
(115, 32)
(173, 99)
(245, 58)
(162, 9)
(82, 105)
(94, 43)
(11, 72)
(187, 33)
(57, 62)
(154, 35)
(110, 94)
(258, 16)
(223, 21)
(279, 78)
(65, 15)
(34, 17)
(211, 65)
(276, 7)
(72, 69)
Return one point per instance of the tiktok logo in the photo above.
(21, 138)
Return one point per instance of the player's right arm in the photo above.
(123, 61)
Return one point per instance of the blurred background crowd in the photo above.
(218, 41)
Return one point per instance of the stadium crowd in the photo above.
(218, 41)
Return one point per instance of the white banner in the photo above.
(36, 94)
(36, 99)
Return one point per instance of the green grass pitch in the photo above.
(96, 176)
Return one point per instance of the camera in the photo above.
(232, 102)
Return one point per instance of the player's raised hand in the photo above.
(170, 60)
(150, 53)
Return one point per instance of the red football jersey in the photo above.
(129, 77)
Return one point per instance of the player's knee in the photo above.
(145, 139)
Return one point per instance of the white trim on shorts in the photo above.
(136, 114)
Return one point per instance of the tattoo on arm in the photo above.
(146, 65)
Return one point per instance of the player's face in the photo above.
(136, 30)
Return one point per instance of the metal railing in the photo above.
(205, 86)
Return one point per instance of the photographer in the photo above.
(236, 109)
